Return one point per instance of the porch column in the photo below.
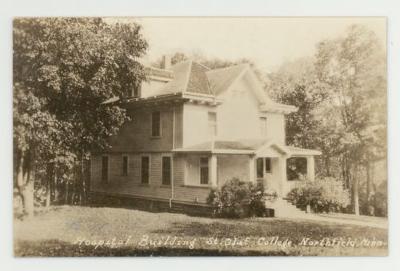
(310, 168)
(283, 177)
(252, 166)
(213, 170)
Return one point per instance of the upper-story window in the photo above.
(156, 124)
(212, 123)
(136, 91)
(263, 126)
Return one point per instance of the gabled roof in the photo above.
(192, 78)
(221, 79)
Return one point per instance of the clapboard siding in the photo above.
(135, 135)
(131, 185)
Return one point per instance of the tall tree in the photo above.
(295, 83)
(341, 96)
(353, 67)
(69, 66)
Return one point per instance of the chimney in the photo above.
(166, 62)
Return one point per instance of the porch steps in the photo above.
(284, 208)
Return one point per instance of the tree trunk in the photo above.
(345, 172)
(81, 183)
(48, 193)
(356, 193)
(25, 184)
(327, 166)
(20, 172)
(27, 198)
(85, 175)
(369, 182)
(66, 192)
(49, 178)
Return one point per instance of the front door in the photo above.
(266, 172)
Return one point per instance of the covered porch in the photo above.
(211, 164)
(282, 168)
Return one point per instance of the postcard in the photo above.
(200, 136)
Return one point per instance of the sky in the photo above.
(267, 41)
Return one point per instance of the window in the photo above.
(268, 165)
(145, 169)
(260, 167)
(296, 167)
(136, 90)
(124, 165)
(212, 123)
(104, 169)
(263, 126)
(204, 170)
(263, 166)
(156, 124)
(166, 170)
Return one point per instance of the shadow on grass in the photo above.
(56, 248)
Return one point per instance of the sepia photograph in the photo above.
(199, 136)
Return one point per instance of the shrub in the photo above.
(377, 202)
(238, 199)
(323, 195)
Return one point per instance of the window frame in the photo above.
(148, 169)
(296, 161)
(208, 170)
(105, 178)
(123, 173)
(263, 125)
(152, 126)
(269, 170)
(170, 170)
(136, 92)
(213, 124)
(262, 167)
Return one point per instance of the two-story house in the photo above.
(193, 129)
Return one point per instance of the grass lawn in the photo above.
(100, 231)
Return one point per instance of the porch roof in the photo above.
(257, 147)
(295, 151)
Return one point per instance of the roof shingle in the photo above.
(221, 79)
(190, 76)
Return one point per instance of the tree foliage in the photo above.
(341, 96)
(64, 68)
